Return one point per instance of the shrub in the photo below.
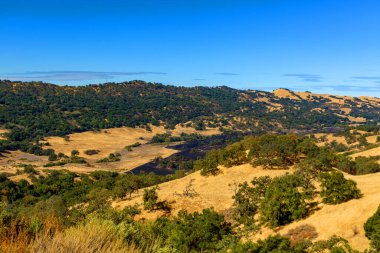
(366, 165)
(283, 202)
(91, 152)
(273, 244)
(302, 233)
(207, 166)
(194, 232)
(336, 189)
(74, 152)
(247, 199)
(372, 230)
(150, 198)
(334, 245)
(113, 157)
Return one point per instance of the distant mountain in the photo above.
(35, 109)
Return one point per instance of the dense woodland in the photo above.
(32, 110)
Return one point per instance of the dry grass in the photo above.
(93, 237)
(106, 141)
(18, 239)
(368, 153)
(213, 191)
(283, 93)
(2, 132)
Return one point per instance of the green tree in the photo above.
(283, 202)
(74, 152)
(336, 189)
(150, 198)
(372, 230)
(195, 232)
(247, 199)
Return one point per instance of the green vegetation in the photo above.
(283, 202)
(372, 230)
(91, 151)
(336, 189)
(113, 157)
(33, 110)
(167, 137)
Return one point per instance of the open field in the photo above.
(114, 139)
(213, 191)
(106, 142)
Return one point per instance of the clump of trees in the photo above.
(278, 201)
(113, 157)
(167, 137)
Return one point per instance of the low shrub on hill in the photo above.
(113, 157)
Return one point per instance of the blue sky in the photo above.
(323, 46)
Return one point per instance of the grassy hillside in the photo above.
(269, 193)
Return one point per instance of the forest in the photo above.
(34, 110)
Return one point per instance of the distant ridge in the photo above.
(35, 109)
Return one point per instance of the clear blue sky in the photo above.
(324, 46)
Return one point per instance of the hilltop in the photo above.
(36, 109)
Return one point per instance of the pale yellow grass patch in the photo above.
(2, 132)
(10, 159)
(213, 191)
(283, 93)
(113, 139)
(368, 153)
(353, 119)
(331, 138)
(20, 177)
(372, 139)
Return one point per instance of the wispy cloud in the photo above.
(73, 75)
(227, 74)
(306, 77)
(199, 79)
(375, 78)
(356, 88)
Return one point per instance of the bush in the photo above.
(91, 152)
(273, 244)
(302, 233)
(366, 165)
(194, 232)
(247, 199)
(336, 189)
(113, 157)
(150, 198)
(372, 230)
(283, 202)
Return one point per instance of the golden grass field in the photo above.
(106, 141)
